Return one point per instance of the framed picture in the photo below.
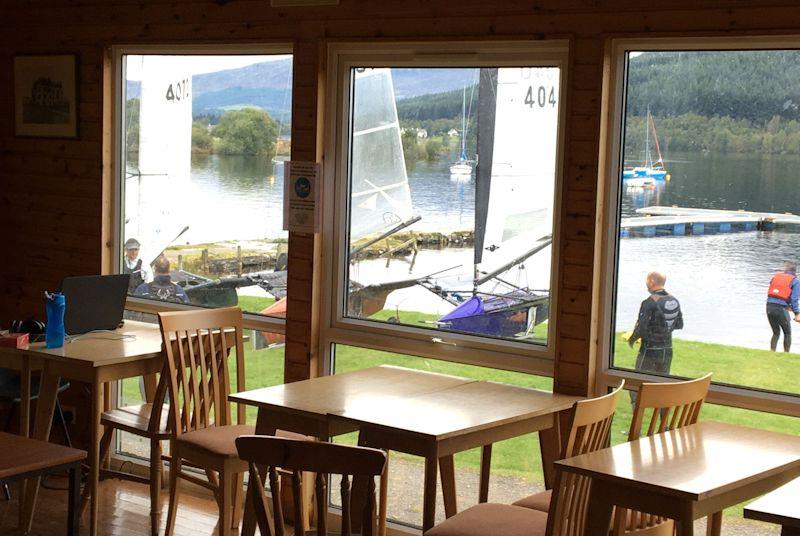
(45, 96)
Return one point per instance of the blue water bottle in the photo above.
(54, 333)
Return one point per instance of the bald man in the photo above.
(659, 315)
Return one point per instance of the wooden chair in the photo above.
(308, 456)
(590, 426)
(669, 406)
(198, 383)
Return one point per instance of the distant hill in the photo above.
(264, 85)
(751, 85)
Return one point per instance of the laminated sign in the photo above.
(301, 197)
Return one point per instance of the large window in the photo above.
(445, 185)
(202, 142)
(706, 216)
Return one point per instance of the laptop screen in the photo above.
(94, 302)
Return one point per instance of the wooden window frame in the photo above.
(469, 349)
(114, 142)
(607, 235)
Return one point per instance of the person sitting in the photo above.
(161, 287)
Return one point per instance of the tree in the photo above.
(247, 131)
(132, 125)
(201, 138)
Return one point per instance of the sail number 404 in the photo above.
(541, 96)
(178, 91)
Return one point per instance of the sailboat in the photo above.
(463, 167)
(153, 189)
(650, 170)
(515, 182)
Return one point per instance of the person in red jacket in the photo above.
(782, 301)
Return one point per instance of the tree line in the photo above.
(247, 131)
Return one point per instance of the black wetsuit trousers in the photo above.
(779, 321)
(653, 358)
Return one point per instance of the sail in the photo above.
(519, 214)
(381, 198)
(487, 104)
(155, 190)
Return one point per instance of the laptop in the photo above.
(94, 302)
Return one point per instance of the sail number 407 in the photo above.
(540, 96)
(178, 91)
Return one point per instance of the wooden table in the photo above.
(421, 413)
(25, 458)
(686, 474)
(781, 507)
(94, 359)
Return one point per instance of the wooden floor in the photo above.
(124, 510)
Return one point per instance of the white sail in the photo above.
(380, 196)
(520, 208)
(154, 193)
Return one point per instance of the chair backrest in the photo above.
(589, 430)
(323, 459)
(196, 348)
(670, 405)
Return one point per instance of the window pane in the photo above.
(710, 146)
(516, 463)
(205, 139)
(451, 189)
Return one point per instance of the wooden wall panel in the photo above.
(51, 191)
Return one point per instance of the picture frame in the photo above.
(45, 96)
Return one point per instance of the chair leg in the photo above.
(237, 492)
(155, 486)
(226, 502)
(7, 492)
(12, 410)
(174, 489)
(63, 423)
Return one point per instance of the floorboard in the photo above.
(124, 510)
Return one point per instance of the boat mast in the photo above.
(647, 158)
(464, 125)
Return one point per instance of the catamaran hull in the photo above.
(500, 316)
(656, 174)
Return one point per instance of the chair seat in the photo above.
(216, 441)
(538, 501)
(136, 420)
(488, 519)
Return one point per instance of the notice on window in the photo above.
(301, 196)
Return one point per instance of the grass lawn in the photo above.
(520, 456)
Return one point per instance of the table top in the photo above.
(410, 400)
(22, 455)
(333, 394)
(694, 462)
(781, 506)
(459, 409)
(100, 349)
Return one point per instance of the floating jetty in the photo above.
(679, 221)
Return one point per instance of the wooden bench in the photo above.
(25, 458)
(781, 507)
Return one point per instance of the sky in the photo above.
(199, 64)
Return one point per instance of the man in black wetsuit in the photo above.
(659, 315)
(161, 287)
